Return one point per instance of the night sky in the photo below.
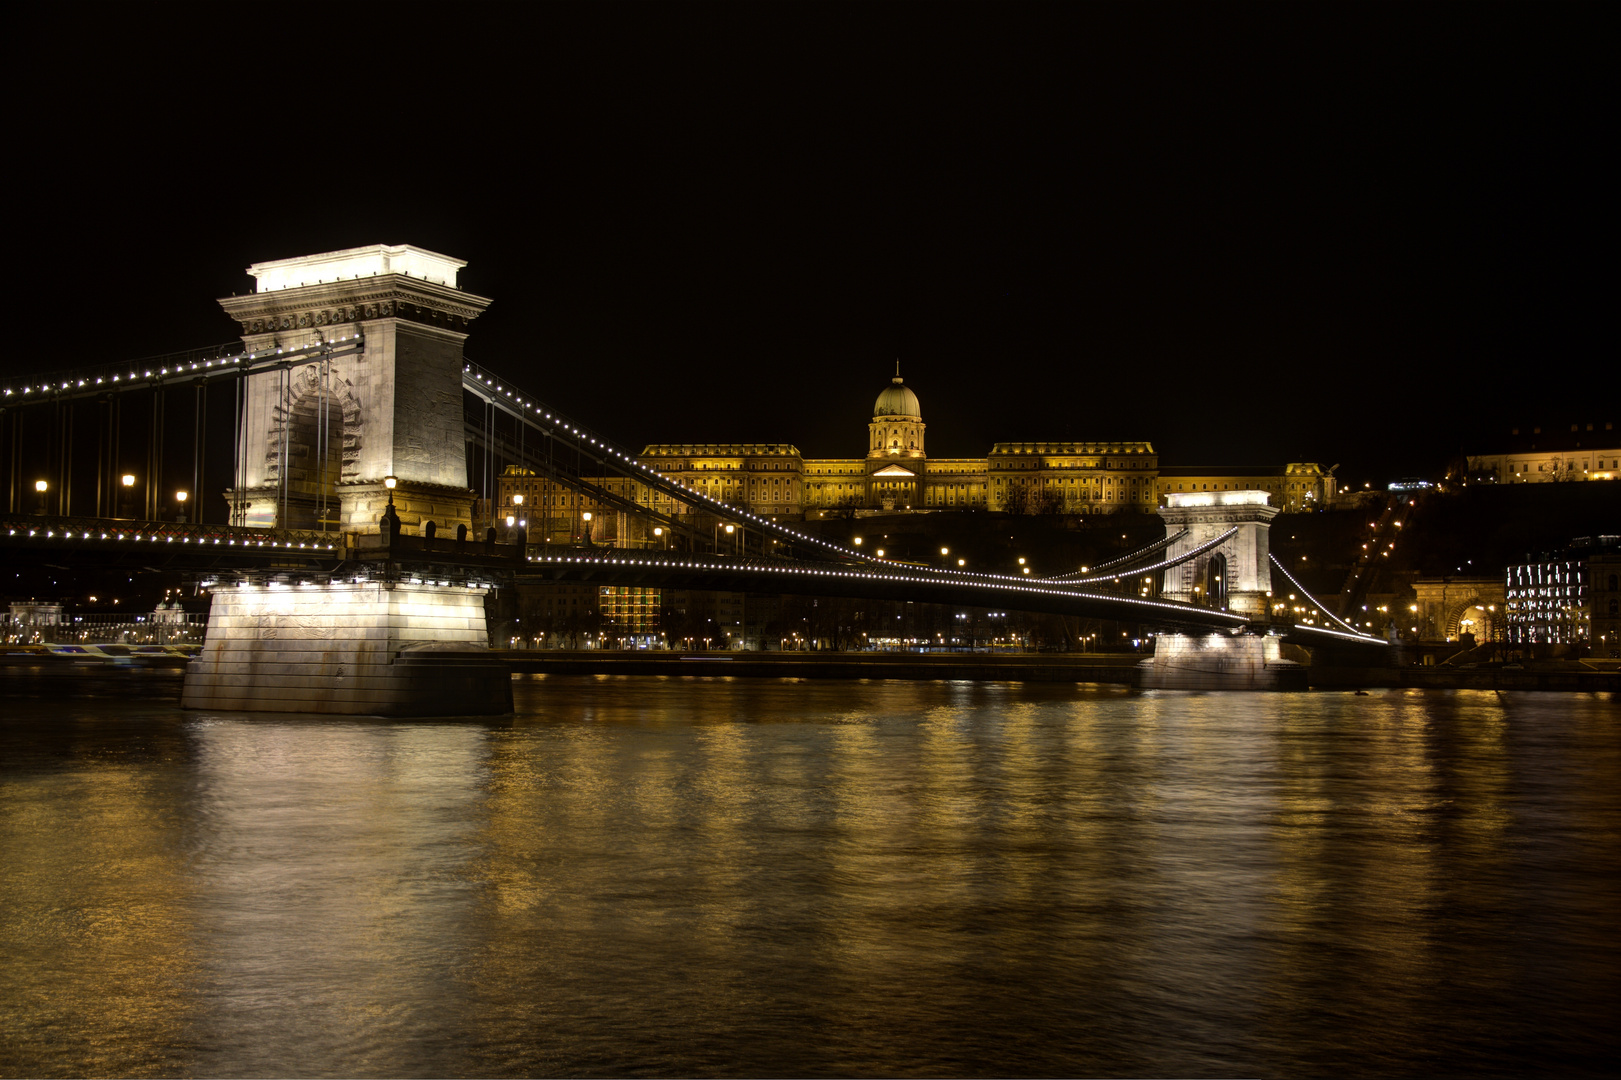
(1366, 235)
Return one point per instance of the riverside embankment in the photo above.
(1118, 668)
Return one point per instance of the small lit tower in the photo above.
(895, 456)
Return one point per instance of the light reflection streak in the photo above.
(725, 875)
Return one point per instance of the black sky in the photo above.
(1365, 234)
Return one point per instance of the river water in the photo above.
(638, 876)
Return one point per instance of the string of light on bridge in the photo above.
(1124, 560)
(659, 480)
(1191, 553)
(121, 379)
(1314, 600)
(1011, 585)
(169, 538)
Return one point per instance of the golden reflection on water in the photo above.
(99, 969)
(749, 876)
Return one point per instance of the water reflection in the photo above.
(744, 877)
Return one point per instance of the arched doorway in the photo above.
(313, 449)
(1473, 616)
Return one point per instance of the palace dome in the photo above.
(897, 400)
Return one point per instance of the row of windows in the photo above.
(1570, 466)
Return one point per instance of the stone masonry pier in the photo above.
(374, 648)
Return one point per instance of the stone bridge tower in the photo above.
(1237, 575)
(317, 438)
(1234, 576)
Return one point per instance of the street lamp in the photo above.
(730, 529)
(128, 480)
(40, 486)
(180, 497)
(658, 534)
(391, 520)
(586, 517)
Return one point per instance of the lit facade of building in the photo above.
(896, 476)
(1568, 597)
(1298, 486)
(1535, 456)
(1604, 601)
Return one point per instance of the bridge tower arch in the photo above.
(394, 323)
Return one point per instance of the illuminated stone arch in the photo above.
(295, 447)
(1471, 616)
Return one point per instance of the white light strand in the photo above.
(1312, 598)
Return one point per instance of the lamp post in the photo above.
(41, 487)
(180, 497)
(730, 529)
(128, 481)
(586, 517)
(658, 535)
(391, 520)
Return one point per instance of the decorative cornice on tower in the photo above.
(336, 302)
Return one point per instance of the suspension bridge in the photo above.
(357, 452)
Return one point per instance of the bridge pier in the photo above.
(1234, 575)
(367, 649)
(1219, 661)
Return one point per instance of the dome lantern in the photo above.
(897, 399)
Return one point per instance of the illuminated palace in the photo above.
(898, 476)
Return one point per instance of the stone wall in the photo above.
(349, 649)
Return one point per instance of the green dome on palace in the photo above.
(897, 400)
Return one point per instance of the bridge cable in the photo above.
(1124, 559)
(154, 446)
(197, 401)
(1312, 598)
(239, 463)
(1191, 553)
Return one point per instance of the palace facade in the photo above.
(897, 476)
